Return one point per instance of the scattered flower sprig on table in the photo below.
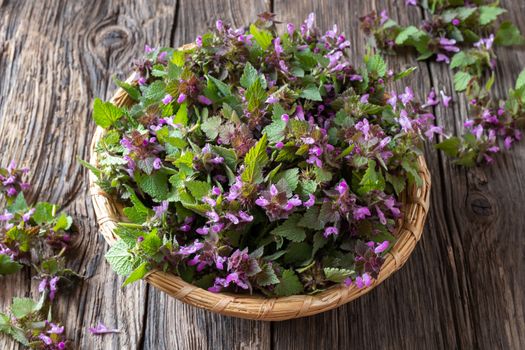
(258, 162)
(463, 35)
(36, 237)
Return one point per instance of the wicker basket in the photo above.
(257, 307)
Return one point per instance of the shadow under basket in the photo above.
(258, 307)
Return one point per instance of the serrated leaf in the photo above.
(155, 91)
(289, 284)
(372, 179)
(198, 189)
(263, 37)
(450, 146)
(291, 176)
(311, 92)
(508, 34)
(255, 95)
(120, 259)
(405, 73)
(22, 307)
(310, 219)
(254, 161)
(229, 155)
(182, 115)
(151, 243)
(223, 88)
(461, 81)
(290, 229)
(249, 76)
(8, 266)
(105, 114)
(488, 14)
(298, 253)
(156, 185)
(64, 222)
(409, 33)
(130, 89)
(336, 275)
(43, 213)
(397, 182)
(137, 274)
(267, 276)
(520, 81)
(211, 127)
(462, 59)
(376, 64)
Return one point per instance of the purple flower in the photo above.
(411, 2)
(364, 98)
(407, 97)
(310, 202)
(28, 214)
(290, 28)
(384, 17)
(157, 164)
(262, 202)
(142, 81)
(431, 99)
(102, 329)
(456, 22)
(53, 287)
(160, 209)
(448, 45)
(285, 118)
(361, 213)
(381, 247)
(162, 56)
(404, 121)
(277, 46)
(279, 145)
(204, 100)
(485, 42)
(219, 25)
(148, 49)
(433, 129)
(446, 99)
(330, 230)
(203, 230)
(508, 142)
(6, 216)
(198, 41)
(392, 100)
(272, 99)
(363, 281)
(47, 340)
(167, 99)
(213, 216)
(181, 98)
(55, 329)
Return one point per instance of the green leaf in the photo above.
(336, 275)
(155, 91)
(488, 14)
(409, 33)
(520, 82)
(372, 179)
(298, 253)
(137, 274)
(461, 80)
(397, 182)
(255, 95)
(211, 127)
(178, 58)
(130, 89)
(156, 185)
(229, 155)
(223, 87)
(263, 37)
(289, 285)
(182, 115)
(405, 73)
(22, 307)
(19, 205)
(291, 176)
(254, 161)
(508, 34)
(198, 189)
(462, 59)
(311, 220)
(461, 13)
(92, 168)
(311, 92)
(376, 64)
(450, 146)
(43, 213)
(151, 243)
(267, 276)
(249, 76)
(106, 114)
(120, 259)
(290, 229)
(8, 266)
(64, 222)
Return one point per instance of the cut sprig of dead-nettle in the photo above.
(258, 162)
(463, 34)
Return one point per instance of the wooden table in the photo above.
(463, 288)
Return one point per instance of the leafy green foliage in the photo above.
(106, 114)
(289, 284)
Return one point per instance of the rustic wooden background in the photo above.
(463, 288)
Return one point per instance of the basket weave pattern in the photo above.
(257, 307)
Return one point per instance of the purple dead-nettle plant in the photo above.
(251, 161)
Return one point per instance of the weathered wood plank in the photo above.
(56, 56)
(172, 324)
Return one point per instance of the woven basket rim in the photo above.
(258, 307)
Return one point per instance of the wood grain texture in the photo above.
(463, 288)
